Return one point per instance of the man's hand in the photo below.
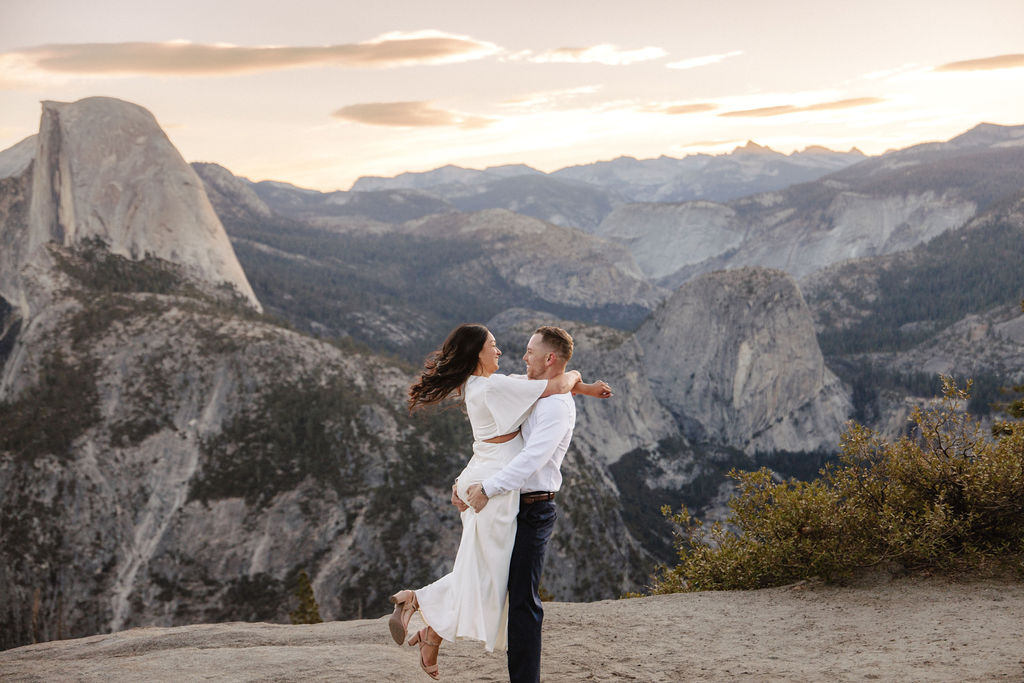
(456, 501)
(476, 497)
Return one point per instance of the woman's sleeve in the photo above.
(509, 399)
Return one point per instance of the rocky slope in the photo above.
(104, 170)
(168, 455)
(891, 324)
(879, 206)
(734, 356)
(403, 285)
(198, 454)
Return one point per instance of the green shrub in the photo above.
(307, 612)
(946, 497)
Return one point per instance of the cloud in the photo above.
(604, 53)
(183, 58)
(763, 111)
(677, 109)
(792, 109)
(985, 64)
(550, 97)
(694, 62)
(843, 104)
(408, 115)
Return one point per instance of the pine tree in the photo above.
(307, 612)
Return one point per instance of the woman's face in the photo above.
(489, 355)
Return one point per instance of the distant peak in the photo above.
(987, 134)
(753, 148)
(820, 150)
(817, 149)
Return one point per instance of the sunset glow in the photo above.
(319, 93)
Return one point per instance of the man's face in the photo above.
(536, 357)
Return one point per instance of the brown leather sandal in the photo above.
(405, 606)
(422, 638)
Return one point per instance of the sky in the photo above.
(320, 92)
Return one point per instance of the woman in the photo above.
(470, 602)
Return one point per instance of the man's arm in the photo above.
(550, 423)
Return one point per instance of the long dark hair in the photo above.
(446, 369)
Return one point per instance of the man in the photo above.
(536, 472)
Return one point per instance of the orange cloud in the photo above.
(183, 58)
(408, 115)
(677, 109)
(985, 64)
(763, 111)
(844, 104)
(792, 109)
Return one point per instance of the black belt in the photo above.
(536, 497)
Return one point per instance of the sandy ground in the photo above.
(906, 629)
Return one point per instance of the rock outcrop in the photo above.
(733, 355)
(664, 238)
(891, 630)
(103, 169)
(556, 264)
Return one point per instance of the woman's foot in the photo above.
(405, 606)
(430, 647)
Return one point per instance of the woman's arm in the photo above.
(598, 389)
(562, 384)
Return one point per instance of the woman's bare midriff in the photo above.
(504, 438)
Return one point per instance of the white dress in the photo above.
(472, 601)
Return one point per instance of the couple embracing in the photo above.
(522, 426)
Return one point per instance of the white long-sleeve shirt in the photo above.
(547, 433)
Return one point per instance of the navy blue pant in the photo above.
(525, 613)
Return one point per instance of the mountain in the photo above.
(446, 175)
(578, 196)
(734, 356)
(880, 206)
(150, 202)
(393, 284)
(220, 365)
(386, 206)
(746, 170)
(726, 373)
(169, 454)
(890, 324)
(562, 202)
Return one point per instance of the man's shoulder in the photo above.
(556, 403)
